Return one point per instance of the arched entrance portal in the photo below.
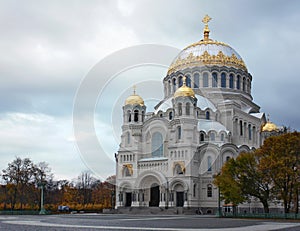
(154, 195)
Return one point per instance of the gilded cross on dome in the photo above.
(134, 89)
(206, 20)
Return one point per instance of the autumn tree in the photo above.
(280, 160)
(17, 176)
(242, 178)
(268, 173)
(85, 182)
(22, 177)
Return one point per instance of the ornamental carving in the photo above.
(207, 59)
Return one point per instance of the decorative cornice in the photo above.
(207, 59)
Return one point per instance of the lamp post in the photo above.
(41, 185)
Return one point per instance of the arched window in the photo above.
(238, 82)
(241, 128)
(143, 116)
(169, 87)
(227, 158)
(214, 79)
(205, 80)
(180, 81)
(209, 190)
(212, 136)
(180, 109)
(207, 115)
(250, 132)
(157, 145)
(244, 84)
(179, 132)
(129, 116)
(231, 81)
(196, 80)
(201, 136)
(248, 85)
(187, 108)
(209, 162)
(136, 115)
(170, 115)
(188, 81)
(222, 137)
(223, 80)
(194, 190)
(174, 84)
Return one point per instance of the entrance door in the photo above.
(179, 199)
(128, 199)
(154, 196)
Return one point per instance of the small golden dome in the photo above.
(134, 99)
(269, 127)
(184, 90)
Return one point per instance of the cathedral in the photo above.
(168, 157)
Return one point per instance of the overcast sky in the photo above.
(49, 47)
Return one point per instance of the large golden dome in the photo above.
(207, 52)
(184, 90)
(134, 99)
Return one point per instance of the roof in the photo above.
(203, 103)
(210, 125)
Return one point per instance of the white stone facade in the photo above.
(168, 157)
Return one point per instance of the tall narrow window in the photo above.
(223, 80)
(205, 80)
(169, 87)
(188, 81)
(238, 82)
(207, 115)
(179, 132)
(248, 86)
(174, 85)
(187, 108)
(194, 190)
(136, 115)
(201, 136)
(196, 80)
(180, 109)
(170, 115)
(222, 137)
(129, 116)
(157, 145)
(231, 81)
(241, 128)
(143, 116)
(209, 162)
(244, 84)
(250, 132)
(209, 190)
(214, 79)
(180, 81)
